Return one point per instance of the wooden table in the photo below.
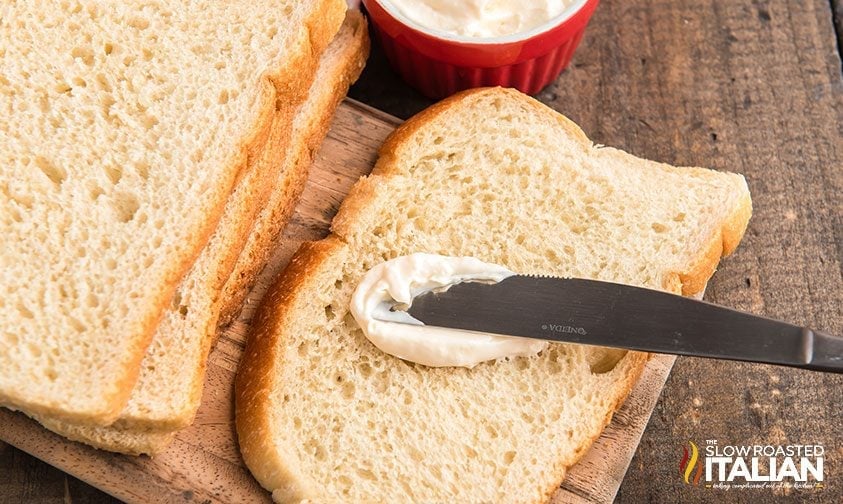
(752, 86)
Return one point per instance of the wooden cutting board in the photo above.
(203, 464)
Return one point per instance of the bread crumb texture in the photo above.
(492, 174)
(168, 391)
(123, 127)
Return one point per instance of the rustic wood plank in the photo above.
(27, 479)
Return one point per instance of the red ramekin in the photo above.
(439, 64)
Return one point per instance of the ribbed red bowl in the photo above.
(440, 64)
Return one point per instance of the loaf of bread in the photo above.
(324, 415)
(124, 129)
(170, 386)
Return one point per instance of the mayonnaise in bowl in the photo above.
(479, 18)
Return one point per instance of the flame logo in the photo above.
(688, 463)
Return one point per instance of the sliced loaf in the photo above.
(124, 128)
(323, 414)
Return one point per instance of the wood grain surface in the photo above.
(752, 86)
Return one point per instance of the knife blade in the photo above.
(573, 310)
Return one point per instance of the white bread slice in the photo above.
(124, 128)
(170, 386)
(323, 414)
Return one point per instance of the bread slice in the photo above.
(323, 414)
(124, 129)
(170, 386)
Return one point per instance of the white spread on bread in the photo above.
(396, 282)
(479, 18)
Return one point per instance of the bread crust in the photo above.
(147, 436)
(290, 185)
(386, 154)
(129, 442)
(721, 244)
(256, 375)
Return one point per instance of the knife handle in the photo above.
(823, 352)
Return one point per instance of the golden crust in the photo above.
(129, 442)
(721, 244)
(255, 379)
(386, 153)
(286, 89)
(256, 374)
(291, 182)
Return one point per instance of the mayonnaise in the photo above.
(479, 18)
(398, 281)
